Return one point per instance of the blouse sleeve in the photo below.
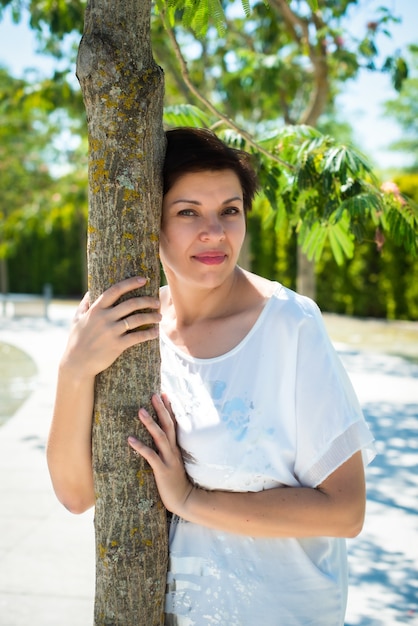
(330, 423)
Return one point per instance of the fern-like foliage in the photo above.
(326, 192)
(400, 218)
(198, 15)
(186, 115)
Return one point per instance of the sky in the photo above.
(362, 101)
(360, 104)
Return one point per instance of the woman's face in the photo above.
(202, 228)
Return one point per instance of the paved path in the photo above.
(47, 554)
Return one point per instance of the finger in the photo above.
(166, 420)
(168, 406)
(161, 410)
(147, 318)
(119, 289)
(85, 303)
(82, 308)
(156, 431)
(145, 451)
(130, 339)
(134, 305)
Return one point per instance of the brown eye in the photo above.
(187, 212)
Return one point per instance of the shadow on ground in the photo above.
(383, 559)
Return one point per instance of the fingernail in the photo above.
(142, 280)
(132, 439)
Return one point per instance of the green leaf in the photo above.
(199, 14)
(399, 73)
(401, 220)
(312, 239)
(367, 48)
(341, 241)
(246, 7)
(186, 115)
(281, 215)
(360, 206)
(313, 5)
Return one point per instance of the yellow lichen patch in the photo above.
(127, 257)
(109, 103)
(98, 169)
(129, 236)
(134, 531)
(99, 175)
(114, 266)
(102, 551)
(95, 144)
(114, 543)
(147, 542)
(97, 417)
(131, 195)
(142, 476)
(153, 237)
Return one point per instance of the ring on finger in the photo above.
(126, 324)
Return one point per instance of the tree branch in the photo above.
(230, 123)
(317, 55)
(293, 21)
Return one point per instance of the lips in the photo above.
(213, 257)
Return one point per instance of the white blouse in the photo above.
(278, 409)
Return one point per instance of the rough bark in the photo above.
(123, 94)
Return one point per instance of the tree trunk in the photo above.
(4, 284)
(306, 279)
(123, 94)
(300, 27)
(4, 277)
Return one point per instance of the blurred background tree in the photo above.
(404, 109)
(43, 192)
(381, 281)
(268, 69)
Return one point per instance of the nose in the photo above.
(212, 229)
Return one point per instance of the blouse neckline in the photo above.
(235, 349)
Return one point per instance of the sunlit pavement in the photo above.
(47, 554)
(384, 558)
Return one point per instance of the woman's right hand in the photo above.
(101, 331)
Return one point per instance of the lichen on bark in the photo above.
(123, 93)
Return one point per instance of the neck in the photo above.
(188, 305)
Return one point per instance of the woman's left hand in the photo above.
(167, 463)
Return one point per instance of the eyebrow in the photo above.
(197, 203)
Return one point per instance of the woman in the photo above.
(261, 440)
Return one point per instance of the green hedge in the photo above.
(55, 258)
(372, 284)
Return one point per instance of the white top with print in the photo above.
(276, 410)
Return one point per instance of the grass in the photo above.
(17, 378)
(375, 335)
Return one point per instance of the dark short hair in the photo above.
(198, 150)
